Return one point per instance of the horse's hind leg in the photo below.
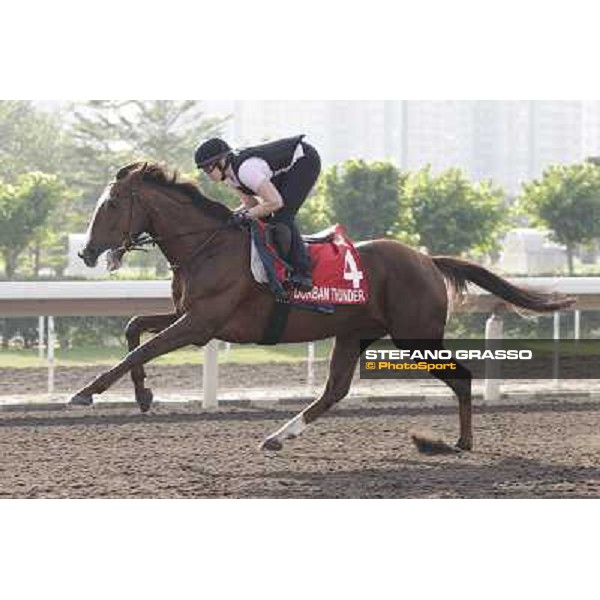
(459, 381)
(462, 388)
(133, 332)
(344, 357)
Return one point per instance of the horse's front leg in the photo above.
(133, 332)
(344, 356)
(184, 331)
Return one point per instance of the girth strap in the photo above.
(277, 321)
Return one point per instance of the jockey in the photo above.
(273, 180)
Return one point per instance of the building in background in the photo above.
(509, 142)
(527, 251)
(340, 129)
(439, 133)
(501, 143)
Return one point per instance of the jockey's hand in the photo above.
(240, 218)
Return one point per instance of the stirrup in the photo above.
(303, 283)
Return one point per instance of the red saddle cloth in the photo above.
(338, 276)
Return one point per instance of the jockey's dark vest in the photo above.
(278, 155)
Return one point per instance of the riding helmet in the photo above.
(211, 151)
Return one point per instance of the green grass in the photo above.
(246, 354)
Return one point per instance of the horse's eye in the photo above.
(111, 203)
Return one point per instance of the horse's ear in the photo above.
(124, 171)
(141, 170)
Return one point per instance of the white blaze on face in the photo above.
(104, 196)
(113, 257)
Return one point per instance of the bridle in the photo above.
(138, 242)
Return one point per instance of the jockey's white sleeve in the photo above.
(253, 172)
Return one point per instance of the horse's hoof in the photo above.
(81, 400)
(464, 445)
(427, 444)
(144, 399)
(271, 444)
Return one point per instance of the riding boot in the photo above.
(301, 277)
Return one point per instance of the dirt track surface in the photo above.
(538, 450)
(160, 377)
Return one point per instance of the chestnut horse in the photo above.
(215, 296)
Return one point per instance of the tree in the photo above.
(24, 209)
(49, 247)
(566, 200)
(451, 215)
(30, 140)
(108, 134)
(111, 133)
(315, 214)
(362, 196)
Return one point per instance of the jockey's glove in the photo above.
(240, 218)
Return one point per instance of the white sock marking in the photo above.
(292, 428)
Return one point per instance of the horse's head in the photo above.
(119, 215)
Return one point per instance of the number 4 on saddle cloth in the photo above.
(338, 277)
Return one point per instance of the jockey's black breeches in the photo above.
(294, 186)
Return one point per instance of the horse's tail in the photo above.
(459, 272)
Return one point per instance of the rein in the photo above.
(137, 242)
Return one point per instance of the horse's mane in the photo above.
(159, 175)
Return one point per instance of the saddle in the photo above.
(336, 265)
(321, 237)
(337, 273)
(279, 235)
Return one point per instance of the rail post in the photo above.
(210, 380)
(50, 355)
(41, 336)
(556, 347)
(493, 331)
